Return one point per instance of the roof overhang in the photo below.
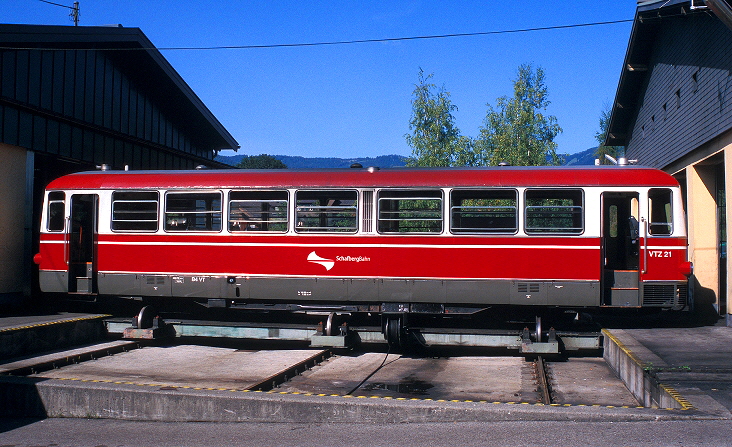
(648, 19)
(146, 65)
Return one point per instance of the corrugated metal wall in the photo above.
(81, 104)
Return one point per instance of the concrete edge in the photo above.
(60, 333)
(60, 320)
(28, 397)
(637, 374)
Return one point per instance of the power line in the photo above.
(399, 39)
(74, 14)
(348, 42)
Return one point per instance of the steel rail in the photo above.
(288, 373)
(543, 381)
(45, 362)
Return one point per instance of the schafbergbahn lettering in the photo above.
(353, 259)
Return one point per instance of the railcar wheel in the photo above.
(393, 332)
(144, 319)
(537, 334)
(329, 324)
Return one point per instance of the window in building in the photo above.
(483, 211)
(258, 211)
(56, 216)
(659, 205)
(193, 211)
(554, 211)
(326, 211)
(410, 211)
(135, 211)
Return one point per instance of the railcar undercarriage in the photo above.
(400, 332)
(401, 326)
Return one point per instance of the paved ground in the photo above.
(184, 366)
(588, 381)
(694, 362)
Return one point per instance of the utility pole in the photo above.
(74, 14)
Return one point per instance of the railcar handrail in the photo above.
(645, 245)
(67, 239)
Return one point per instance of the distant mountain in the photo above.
(584, 158)
(297, 162)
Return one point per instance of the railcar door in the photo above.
(81, 244)
(620, 249)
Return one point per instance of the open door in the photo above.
(81, 244)
(620, 242)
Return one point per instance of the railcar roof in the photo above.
(508, 176)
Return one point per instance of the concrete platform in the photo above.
(184, 366)
(588, 381)
(29, 334)
(21, 396)
(501, 379)
(686, 368)
(580, 381)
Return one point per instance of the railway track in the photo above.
(580, 381)
(543, 382)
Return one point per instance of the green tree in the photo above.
(260, 162)
(435, 139)
(517, 131)
(601, 136)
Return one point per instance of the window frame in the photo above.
(324, 211)
(670, 215)
(409, 194)
(483, 230)
(166, 212)
(531, 231)
(263, 192)
(112, 211)
(55, 201)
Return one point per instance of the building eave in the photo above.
(636, 65)
(132, 46)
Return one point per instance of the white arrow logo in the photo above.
(315, 259)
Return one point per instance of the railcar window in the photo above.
(554, 211)
(194, 211)
(483, 211)
(56, 211)
(659, 204)
(326, 211)
(410, 211)
(55, 219)
(258, 211)
(135, 211)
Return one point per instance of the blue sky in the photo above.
(354, 100)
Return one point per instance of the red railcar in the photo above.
(390, 241)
